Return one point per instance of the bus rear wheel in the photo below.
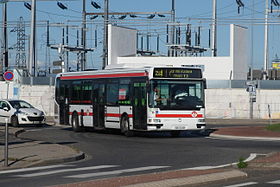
(125, 127)
(75, 123)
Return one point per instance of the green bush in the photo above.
(241, 164)
(273, 127)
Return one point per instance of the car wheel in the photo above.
(125, 127)
(14, 121)
(75, 123)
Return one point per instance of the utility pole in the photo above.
(4, 66)
(172, 51)
(83, 54)
(32, 46)
(105, 40)
(265, 66)
(214, 29)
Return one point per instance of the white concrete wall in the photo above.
(220, 103)
(233, 67)
(217, 68)
(121, 42)
(234, 103)
(239, 51)
(41, 97)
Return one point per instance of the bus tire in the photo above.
(14, 121)
(125, 127)
(75, 123)
(175, 133)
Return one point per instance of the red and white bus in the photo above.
(148, 99)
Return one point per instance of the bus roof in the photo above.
(125, 72)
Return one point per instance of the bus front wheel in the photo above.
(125, 127)
(75, 123)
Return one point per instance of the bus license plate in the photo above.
(179, 128)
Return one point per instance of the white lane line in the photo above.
(115, 172)
(242, 184)
(66, 170)
(274, 182)
(251, 157)
(33, 169)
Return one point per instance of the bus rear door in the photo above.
(139, 105)
(98, 105)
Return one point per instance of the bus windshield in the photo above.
(176, 95)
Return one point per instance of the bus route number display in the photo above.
(177, 73)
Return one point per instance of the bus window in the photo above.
(86, 91)
(75, 91)
(112, 94)
(177, 95)
(124, 94)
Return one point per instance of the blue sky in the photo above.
(194, 12)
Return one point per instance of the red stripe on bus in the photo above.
(107, 115)
(112, 115)
(84, 114)
(178, 116)
(117, 115)
(104, 76)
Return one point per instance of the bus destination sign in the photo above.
(177, 73)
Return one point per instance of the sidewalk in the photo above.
(27, 153)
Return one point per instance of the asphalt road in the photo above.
(112, 154)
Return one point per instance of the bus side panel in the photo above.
(85, 113)
(112, 117)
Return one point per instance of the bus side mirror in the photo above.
(204, 84)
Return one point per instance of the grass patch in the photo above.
(241, 164)
(273, 127)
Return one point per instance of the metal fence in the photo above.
(261, 84)
(37, 81)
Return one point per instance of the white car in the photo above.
(20, 112)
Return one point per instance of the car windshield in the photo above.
(176, 95)
(20, 104)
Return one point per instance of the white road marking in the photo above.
(251, 157)
(66, 170)
(115, 172)
(274, 182)
(241, 138)
(33, 169)
(242, 184)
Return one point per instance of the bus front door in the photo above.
(140, 106)
(98, 105)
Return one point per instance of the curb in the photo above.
(19, 132)
(214, 135)
(77, 157)
(195, 180)
(142, 181)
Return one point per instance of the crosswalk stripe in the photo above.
(274, 182)
(242, 184)
(87, 175)
(66, 170)
(33, 169)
